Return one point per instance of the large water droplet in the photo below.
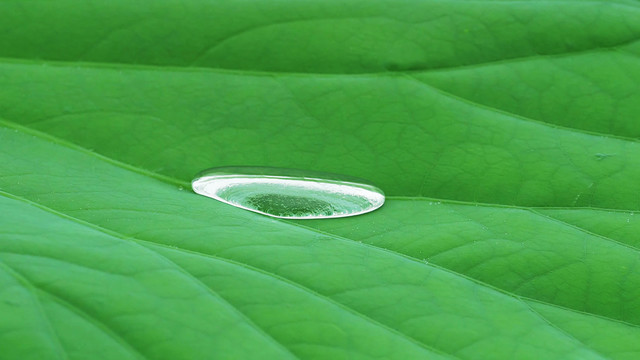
(286, 193)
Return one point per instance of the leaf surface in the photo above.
(504, 133)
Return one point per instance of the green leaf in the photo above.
(504, 133)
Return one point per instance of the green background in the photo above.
(504, 133)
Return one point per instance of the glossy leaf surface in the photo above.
(504, 133)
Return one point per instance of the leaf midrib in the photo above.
(338, 237)
(175, 181)
(185, 184)
(392, 253)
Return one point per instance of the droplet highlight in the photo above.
(288, 193)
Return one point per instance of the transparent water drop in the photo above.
(287, 193)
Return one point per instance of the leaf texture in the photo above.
(504, 133)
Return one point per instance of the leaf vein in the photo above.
(43, 315)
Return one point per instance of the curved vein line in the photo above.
(216, 295)
(414, 259)
(58, 141)
(515, 116)
(251, 72)
(504, 206)
(123, 237)
(533, 57)
(583, 313)
(566, 224)
(533, 211)
(175, 181)
(181, 183)
(112, 234)
(565, 333)
(299, 286)
(516, 297)
(93, 321)
(43, 315)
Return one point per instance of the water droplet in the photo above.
(287, 193)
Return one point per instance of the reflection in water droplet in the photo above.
(292, 194)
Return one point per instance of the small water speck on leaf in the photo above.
(602, 156)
